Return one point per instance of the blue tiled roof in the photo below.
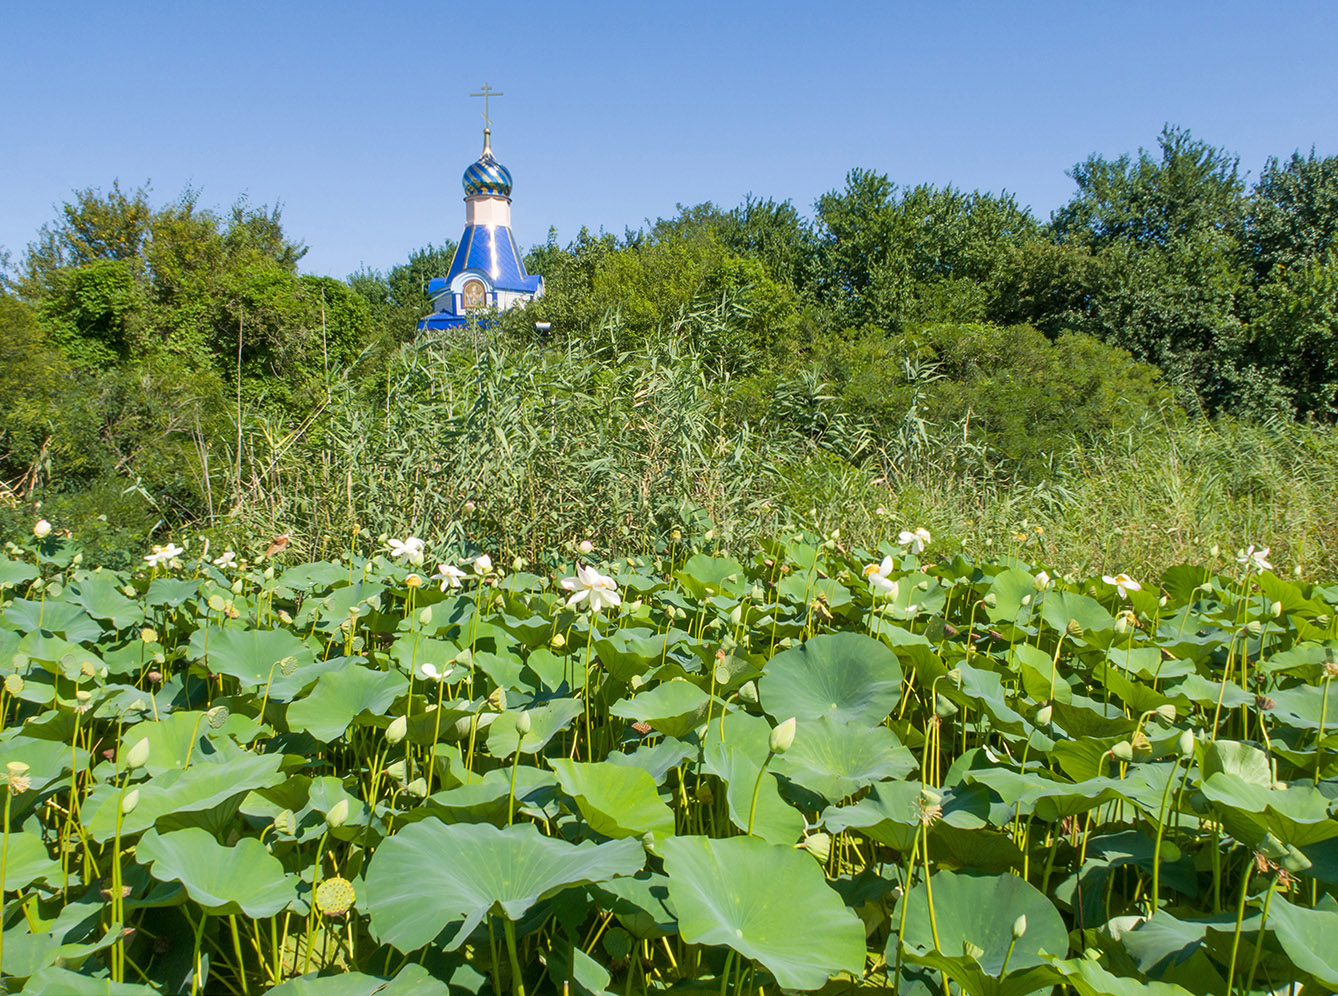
(492, 249)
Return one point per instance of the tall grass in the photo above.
(484, 443)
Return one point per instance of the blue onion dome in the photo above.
(487, 176)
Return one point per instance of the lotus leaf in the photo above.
(836, 760)
(768, 902)
(431, 875)
(981, 910)
(242, 878)
(338, 699)
(850, 677)
(546, 722)
(675, 708)
(412, 980)
(615, 800)
(251, 656)
(773, 821)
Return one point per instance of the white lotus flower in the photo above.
(430, 672)
(42, 529)
(483, 565)
(449, 575)
(410, 549)
(589, 585)
(1043, 581)
(228, 559)
(915, 541)
(880, 579)
(1123, 583)
(162, 555)
(1254, 559)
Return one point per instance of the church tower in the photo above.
(486, 271)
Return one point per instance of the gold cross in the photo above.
(485, 93)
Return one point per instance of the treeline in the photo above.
(165, 365)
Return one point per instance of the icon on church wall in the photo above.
(473, 295)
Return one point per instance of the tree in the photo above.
(1293, 213)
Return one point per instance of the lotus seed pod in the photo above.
(148, 634)
(129, 801)
(338, 814)
(819, 845)
(1166, 712)
(782, 737)
(397, 730)
(335, 896)
(216, 603)
(1170, 852)
(285, 822)
(288, 666)
(285, 618)
(721, 675)
(13, 684)
(497, 699)
(1123, 751)
(1043, 715)
(971, 951)
(16, 769)
(523, 722)
(1074, 628)
(217, 716)
(748, 692)
(138, 755)
(1019, 927)
(1186, 744)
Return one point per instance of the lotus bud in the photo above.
(1042, 582)
(338, 814)
(1026, 599)
(1123, 751)
(1215, 550)
(417, 787)
(398, 770)
(523, 723)
(236, 588)
(1170, 852)
(1295, 862)
(1074, 628)
(1186, 744)
(1043, 715)
(1019, 927)
(944, 708)
(558, 641)
(819, 845)
(463, 725)
(285, 822)
(425, 616)
(955, 676)
(1164, 601)
(782, 737)
(1275, 610)
(1122, 624)
(990, 601)
(269, 573)
(585, 547)
(748, 692)
(397, 730)
(129, 801)
(1166, 712)
(470, 506)
(42, 529)
(138, 755)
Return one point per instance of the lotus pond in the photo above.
(809, 768)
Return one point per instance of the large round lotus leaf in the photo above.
(892, 811)
(27, 861)
(848, 676)
(1088, 978)
(630, 651)
(413, 980)
(1307, 936)
(769, 903)
(243, 878)
(617, 801)
(251, 656)
(199, 788)
(675, 708)
(337, 699)
(66, 618)
(981, 910)
(433, 874)
(546, 722)
(1297, 815)
(15, 572)
(836, 760)
(102, 599)
(56, 981)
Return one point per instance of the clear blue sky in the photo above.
(357, 118)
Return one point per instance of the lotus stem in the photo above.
(757, 788)
(1259, 944)
(517, 980)
(1240, 915)
(1319, 737)
(4, 861)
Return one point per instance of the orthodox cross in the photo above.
(485, 93)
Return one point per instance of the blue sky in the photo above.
(357, 118)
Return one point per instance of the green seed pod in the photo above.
(1166, 713)
(1295, 862)
(971, 951)
(782, 737)
(285, 822)
(13, 684)
(216, 603)
(217, 716)
(335, 896)
(721, 675)
(1170, 853)
(288, 666)
(1074, 628)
